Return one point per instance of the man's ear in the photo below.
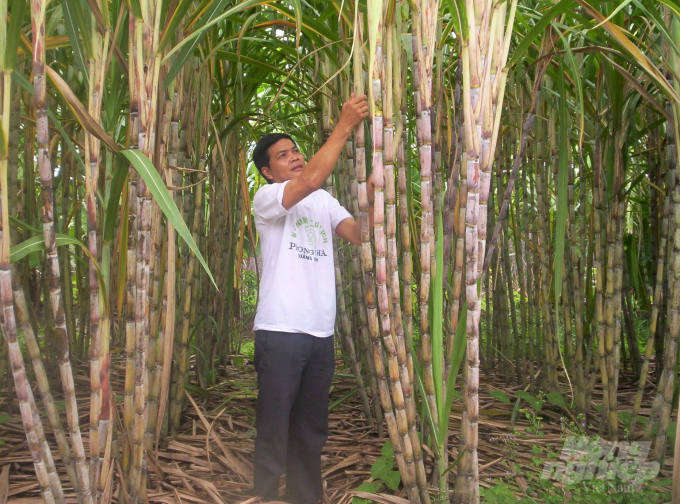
(266, 173)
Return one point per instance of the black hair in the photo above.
(261, 152)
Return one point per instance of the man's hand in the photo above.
(319, 168)
(354, 111)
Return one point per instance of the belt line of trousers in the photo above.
(294, 375)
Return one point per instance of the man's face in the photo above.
(285, 161)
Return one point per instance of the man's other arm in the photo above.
(319, 168)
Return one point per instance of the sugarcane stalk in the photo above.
(577, 295)
(24, 318)
(358, 289)
(656, 304)
(43, 463)
(599, 288)
(155, 358)
(50, 487)
(383, 141)
(369, 281)
(99, 320)
(483, 91)
(52, 259)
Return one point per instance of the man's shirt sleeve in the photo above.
(267, 203)
(336, 212)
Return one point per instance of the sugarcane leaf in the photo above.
(117, 183)
(24, 225)
(578, 86)
(649, 9)
(673, 5)
(438, 320)
(165, 202)
(14, 34)
(343, 399)
(84, 118)
(37, 244)
(70, 24)
(499, 395)
(418, 377)
(23, 82)
(136, 8)
(188, 44)
(539, 28)
(632, 49)
(177, 16)
(297, 8)
(641, 89)
(3, 142)
(458, 19)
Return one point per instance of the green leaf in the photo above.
(13, 33)
(24, 83)
(370, 487)
(70, 23)
(117, 183)
(382, 467)
(3, 142)
(153, 180)
(538, 29)
(5, 418)
(60, 405)
(188, 44)
(499, 395)
(392, 480)
(37, 244)
(438, 323)
(177, 17)
(535, 403)
(624, 416)
(459, 343)
(136, 8)
(557, 399)
(387, 450)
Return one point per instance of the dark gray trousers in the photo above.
(294, 374)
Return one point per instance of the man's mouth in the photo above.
(297, 168)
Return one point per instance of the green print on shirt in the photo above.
(312, 230)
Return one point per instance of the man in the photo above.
(295, 320)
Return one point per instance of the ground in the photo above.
(217, 467)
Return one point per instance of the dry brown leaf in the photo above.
(351, 460)
(4, 484)
(234, 464)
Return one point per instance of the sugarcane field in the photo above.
(339, 251)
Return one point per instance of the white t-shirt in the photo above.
(297, 288)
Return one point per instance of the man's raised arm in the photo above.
(319, 168)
